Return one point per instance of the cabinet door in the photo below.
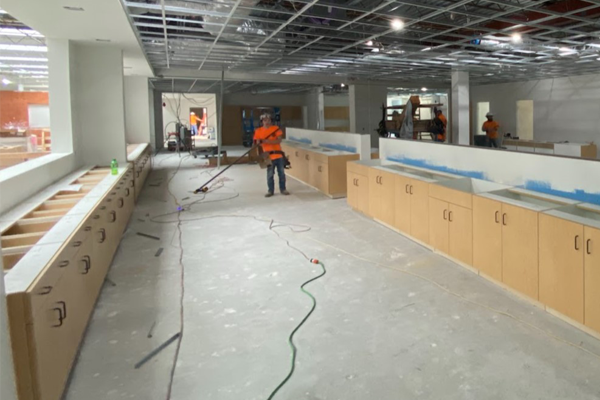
(561, 266)
(323, 177)
(351, 189)
(388, 196)
(592, 278)
(438, 224)
(374, 193)
(520, 249)
(419, 210)
(362, 190)
(305, 165)
(460, 231)
(402, 203)
(487, 237)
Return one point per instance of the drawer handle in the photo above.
(87, 264)
(102, 233)
(131, 183)
(296, 154)
(411, 188)
(121, 202)
(77, 243)
(127, 191)
(504, 219)
(444, 216)
(406, 189)
(103, 207)
(114, 216)
(588, 246)
(63, 264)
(96, 216)
(137, 174)
(307, 157)
(496, 217)
(62, 313)
(45, 290)
(450, 216)
(576, 242)
(319, 169)
(89, 228)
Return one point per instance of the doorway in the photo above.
(483, 108)
(198, 122)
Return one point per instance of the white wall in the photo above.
(266, 100)
(178, 107)
(351, 142)
(337, 100)
(563, 108)
(99, 104)
(365, 109)
(137, 110)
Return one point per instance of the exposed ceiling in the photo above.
(93, 22)
(400, 40)
(23, 56)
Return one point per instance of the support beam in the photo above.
(365, 109)
(461, 127)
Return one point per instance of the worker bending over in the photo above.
(269, 137)
(490, 127)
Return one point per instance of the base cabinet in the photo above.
(487, 237)
(382, 196)
(358, 192)
(451, 230)
(592, 278)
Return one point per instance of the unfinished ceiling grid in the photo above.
(496, 41)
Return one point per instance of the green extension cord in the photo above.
(291, 337)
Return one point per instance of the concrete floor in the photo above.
(377, 333)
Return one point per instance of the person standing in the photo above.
(194, 123)
(440, 122)
(269, 137)
(490, 127)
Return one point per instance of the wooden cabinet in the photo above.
(438, 224)
(561, 265)
(460, 232)
(592, 278)
(382, 195)
(318, 173)
(402, 198)
(487, 237)
(520, 249)
(419, 210)
(358, 192)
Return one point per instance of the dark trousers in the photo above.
(493, 142)
(279, 165)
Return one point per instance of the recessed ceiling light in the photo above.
(426, 49)
(342, 85)
(375, 50)
(516, 38)
(71, 8)
(369, 43)
(397, 24)
(424, 89)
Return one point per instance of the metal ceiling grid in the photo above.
(354, 39)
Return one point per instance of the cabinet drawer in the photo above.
(357, 168)
(318, 157)
(451, 196)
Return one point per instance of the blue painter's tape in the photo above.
(415, 162)
(340, 147)
(577, 194)
(301, 140)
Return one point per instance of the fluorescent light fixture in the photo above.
(375, 50)
(369, 43)
(6, 81)
(516, 38)
(71, 8)
(19, 32)
(2, 11)
(424, 89)
(342, 85)
(514, 27)
(566, 49)
(426, 49)
(397, 24)
(26, 59)
(594, 44)
(24, 66)
(19, 47)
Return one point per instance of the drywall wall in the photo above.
(7, 383)
(137, 110)
(265, 100)
(365, 109)
(14, 107)
(99, 104)
(177, 107)
(560, 176)
(563, 108)
(352, 142)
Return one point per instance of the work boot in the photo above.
(285, 192)
(269, 194)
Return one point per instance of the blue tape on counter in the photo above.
(301, 140)
(340, 147)
(577, 194)
(415, 162)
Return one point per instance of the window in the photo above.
(24, 109)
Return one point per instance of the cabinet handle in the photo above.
(121, 202)
(45, 290)
(87, 228)
(445, 211)
(496, 217)
(103, 207)
(411, 188)
(87, 261)
(127, 191)
(102, 233)
(131, 183)
(114, 216)
(450, 216)
(296, 154)
(77, 243)
(307, 157)
(62, 313)
(357, 185)
(504, 219)
(406, 188)
(319, 169)
(576, 242)
(63, 264)
(96, 216)
(588, 246)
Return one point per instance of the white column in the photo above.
(321, 110)
(59, 77)
(137, 110)
(365, 109)
(461, 127)
(7, 382)
(314, 108)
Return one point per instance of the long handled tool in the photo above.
(204, 188)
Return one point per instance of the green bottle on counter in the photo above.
(114, 167)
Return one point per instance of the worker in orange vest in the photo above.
(269, 137)
(441, 137)
(194, 123)
(490, 127)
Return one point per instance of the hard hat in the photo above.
(489, 115)
(265, 115)
(192, 113)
